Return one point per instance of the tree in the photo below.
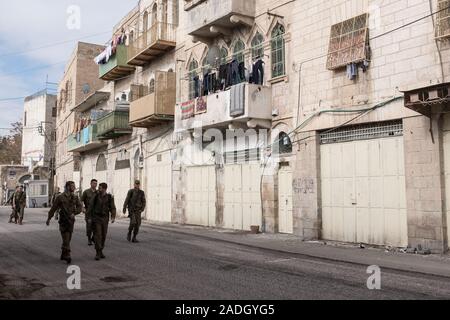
(11, 145)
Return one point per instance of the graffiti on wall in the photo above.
(303, 185)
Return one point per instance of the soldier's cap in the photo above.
(137, 182)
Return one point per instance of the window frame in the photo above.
(278, 51)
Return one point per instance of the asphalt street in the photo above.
(173, 265)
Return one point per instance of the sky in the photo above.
(28, 25)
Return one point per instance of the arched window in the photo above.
(151, 87)
(257, 46)
(278, 51)
(138, 159)
(154, 14)
(145, 21)
(223, 55)
(285, 143)
(164, 11)
(193, 66)
(131, 37)
(101, 163)
(238, 51)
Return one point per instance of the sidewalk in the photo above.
(438, 265)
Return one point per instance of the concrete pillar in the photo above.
(306, 187)
(425, 184)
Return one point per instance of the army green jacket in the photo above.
(20, 199)
(68, 204)
(135, 201)
(102, 207)
(87, 196)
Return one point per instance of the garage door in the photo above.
(121, 186)
(159, 188)
(242, 196)
(285, 208)
(363, 187)
(201, 196)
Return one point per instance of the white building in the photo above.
(38, 130)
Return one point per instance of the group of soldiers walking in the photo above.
(18, 201)
(99, 209)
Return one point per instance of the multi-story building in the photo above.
(38, 130)
(351, 163)
(80, 79)
(322, 119)
(123, 129)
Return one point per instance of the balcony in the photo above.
(86, 140)
(114, 125)
(161, 37)
(117, 67)
(243, 106)
(209, 18)
(91, 101)
(158, 107)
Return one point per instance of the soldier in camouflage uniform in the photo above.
(19, 204)
(14, 211)
(86, 198)
(135, 203)
(55, 195)
(100, 209)
(69, 205)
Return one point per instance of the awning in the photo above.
(92, 100)
(429, 100)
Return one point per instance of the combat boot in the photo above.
(102, 255)
(135, 240)
(98, 256)
(129, 236)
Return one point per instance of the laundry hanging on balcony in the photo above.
(110, 49)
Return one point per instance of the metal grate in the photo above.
(348, 42)
(242, 156)
(443, 19)
(363, 132)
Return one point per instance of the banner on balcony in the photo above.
(187, 110)
(201, 105)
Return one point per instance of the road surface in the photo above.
(171, 265)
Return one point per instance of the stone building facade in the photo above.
(344, 139)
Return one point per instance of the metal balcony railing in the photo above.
(160, 37)
(113, 125)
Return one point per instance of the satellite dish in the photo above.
(86, 88)
(213, 56)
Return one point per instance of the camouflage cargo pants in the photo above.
(135, 222)
(100, 226)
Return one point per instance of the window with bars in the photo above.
(278, 51)
(151, 87)
(193, 66)
(363, 132)
(223, 55)
(257, 45)
(443, 19)
(348, 42)
(238, 51)
(242, 156)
